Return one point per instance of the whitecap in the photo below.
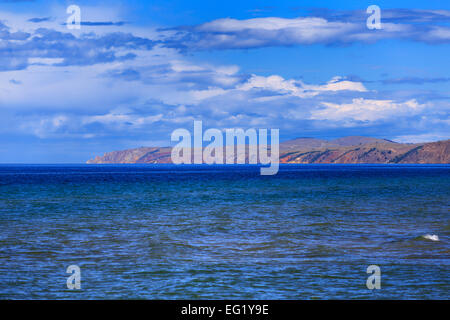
(432, 237)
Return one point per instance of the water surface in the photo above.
(224, 232)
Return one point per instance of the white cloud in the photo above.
(302, 26)
(361, 109)
(438, 34)
(200, 95)
(274, 31)
(46, 126)
(337, 84)
(298, 88)
(45, 61)
(93, 100)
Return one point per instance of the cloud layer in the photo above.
(331, 28)
(126, 87)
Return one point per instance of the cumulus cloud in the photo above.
(361, 109)
(127, 85)
(298, 88)
(45, 127)
(85, 49)
(7, 35)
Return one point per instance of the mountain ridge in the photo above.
(352, 149)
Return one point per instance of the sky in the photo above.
(137, 70)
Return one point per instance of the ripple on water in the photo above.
(143, 232)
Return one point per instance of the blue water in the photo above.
(202, 232)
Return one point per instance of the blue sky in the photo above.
(137, 70)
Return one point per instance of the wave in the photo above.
(432, 237)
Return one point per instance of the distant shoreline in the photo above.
(349, 150)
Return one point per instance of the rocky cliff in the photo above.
(138, 155)
(308, 150)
